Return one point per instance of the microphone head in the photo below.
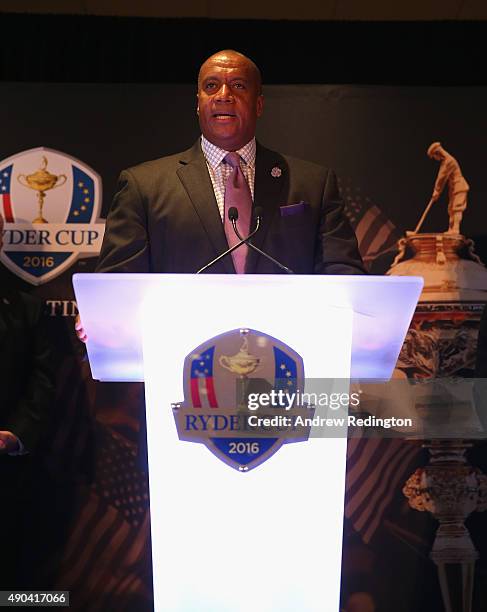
(232, 213)
(258, 211)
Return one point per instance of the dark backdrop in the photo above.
(116, 91)
(68, 48)
(375, 137)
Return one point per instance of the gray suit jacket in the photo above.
(165, 218)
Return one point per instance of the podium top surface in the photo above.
(112, 306)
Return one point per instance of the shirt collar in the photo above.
(214, 155)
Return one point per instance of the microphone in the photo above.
(233, 216)
(258, 218)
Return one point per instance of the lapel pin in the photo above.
(276, 172)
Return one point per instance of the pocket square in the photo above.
(293, 209)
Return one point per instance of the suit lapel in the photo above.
(194, 176)
(271, 177)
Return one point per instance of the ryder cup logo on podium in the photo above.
(51, 204)
(223, 380)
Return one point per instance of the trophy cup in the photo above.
(242, 364)
(41, 181)
(442, 341)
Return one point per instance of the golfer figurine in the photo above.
(450, 173)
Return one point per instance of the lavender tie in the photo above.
(237, 193)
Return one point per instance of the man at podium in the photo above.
(175, 214)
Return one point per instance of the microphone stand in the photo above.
(252, 246)
(235, 246)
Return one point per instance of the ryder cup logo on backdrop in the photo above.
(222, 378)
(51, 203)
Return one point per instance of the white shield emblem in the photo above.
(51, 204)
(220, 376)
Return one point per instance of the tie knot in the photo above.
(233, 159)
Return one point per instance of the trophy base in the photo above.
(448, 264)
(40, 220)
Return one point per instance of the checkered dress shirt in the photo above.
(220, 171)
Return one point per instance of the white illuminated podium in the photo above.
(269, 540)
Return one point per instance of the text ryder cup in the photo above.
(43, 237)
(60, 237)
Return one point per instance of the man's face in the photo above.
(229, 101)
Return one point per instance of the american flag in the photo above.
(375, 233)
(107, 560)
(376, 468)
(202, 388)
(5, 178)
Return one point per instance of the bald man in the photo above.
(169, 214)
